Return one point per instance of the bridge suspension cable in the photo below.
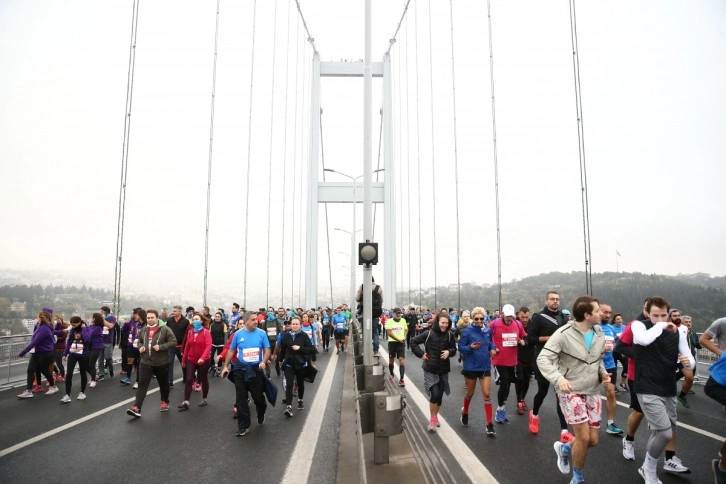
(311, 39)
(209, 163)
(284, 159)
(125, 159)
(433, 152)
(456, 158)
(269, 171)
(249, 147)
(327, 223)
(398, 27)
(294, 164)
(418, 160)
(581, 149)
(496, 161)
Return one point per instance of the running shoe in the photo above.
(101, 378)
(521, 407)
(136, 385)
(92, 384)
(624, 386)
(490, 430)
(533, 422)
(683, 401)
(37, 389)
(464, 417)
(675, 465)
(65, 399)
(134, 411)
(628, 449)
(26, 394)
(432, 425)
(234, 412)
(203, 404)
(125, 380)
(184, 406)
(241, 433)
(563, 461)
(197, 387)
(60, 379)
(52, 390)
(501, 416)
(288, 411)
(649, 477)
(81, 396)
(566, 437)
(436, 421)
(164, 407)
(390, 378)
(300, 405)
(401, 383)
(614, 429)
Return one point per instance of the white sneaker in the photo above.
(628, 449)
(65, 399)
(675, 465)
(136, 385)
(26, 394)
(649, 477)
(92, 384)
(563, 461)
(52, 390)
(81, 396)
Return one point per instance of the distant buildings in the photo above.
(18, 307)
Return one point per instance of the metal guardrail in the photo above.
(13, 368)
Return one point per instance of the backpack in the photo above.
(377, 297)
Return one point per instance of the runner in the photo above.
(507, 335)
(272, 326)
(577, 348)
(154, 344)
(525, 364)
(438, 346)
(397, 329)
(327, 329)
(295, 351)
(42, 352)
(132, 328)
(477, 346)
(60, 332)
(716, 389)
(109, 341)
(309, 330)
(76, 352)
(611, 367)
(219, 331)
(340, 330)
(95, 367)
(197, 357)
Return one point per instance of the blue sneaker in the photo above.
(501, 416)
(614, 429)
(125, 380)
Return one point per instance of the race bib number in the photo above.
(105, 331)
(135, 343)
(271, 331)
(76, 348)
(509, 339)
(609, 343)
(251, 355)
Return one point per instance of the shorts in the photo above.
(476, 375)
(578, 408)
(660, 412)
(396, 349)
(339, 335)
(634, 403)
(613, 372)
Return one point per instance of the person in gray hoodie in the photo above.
(572, 361)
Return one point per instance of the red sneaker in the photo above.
(520, 408)
(566, 437)
(37, 389)
(533, 422)
(164, 407)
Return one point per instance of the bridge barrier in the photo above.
(13, 368)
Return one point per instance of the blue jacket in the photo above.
(478, 359)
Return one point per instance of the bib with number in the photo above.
(251, 355)
(509, 339)
(76, 348)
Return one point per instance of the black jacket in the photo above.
(179, 329)
(542, 326)
(292, 358)
(217, 330)
(433, 342)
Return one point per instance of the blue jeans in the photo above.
(376, 343)
(175, 352)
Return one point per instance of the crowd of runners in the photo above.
(577, 352)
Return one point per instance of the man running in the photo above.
(577, 347)
(611, 366)
(397, 330)
(340, 330)
(525, 364)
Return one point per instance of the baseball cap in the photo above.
(508, 310)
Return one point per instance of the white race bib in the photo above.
(509, 339)
(105, 331)
(272, 331)
(76, 348)
(251, 355)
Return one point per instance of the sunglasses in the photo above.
(478, 319)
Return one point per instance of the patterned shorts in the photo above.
(578, 408)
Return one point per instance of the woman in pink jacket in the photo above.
(197, 358)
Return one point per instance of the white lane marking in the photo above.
(298, 468)
(705, 433)
(69, 425)
(468, 461)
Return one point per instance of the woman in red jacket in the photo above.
(197, 358)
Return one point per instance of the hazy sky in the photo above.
(654, 108)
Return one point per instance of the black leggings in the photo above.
(40, 363)
(715, 391)
(291, 376)
(543, 386)
(524, 375)
(59, 363)
(326, 339)
(507, 376)
(93, 361)
(437, 393)
(83, 369)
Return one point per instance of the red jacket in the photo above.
(197, 346)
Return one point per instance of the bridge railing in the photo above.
(13, 368)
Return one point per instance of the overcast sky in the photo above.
(654, 108)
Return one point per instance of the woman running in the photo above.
(477, 347)
(438, 346)
(97, 348)
(197, 357)
(42, 353)
(75, 353)
(61, 333)
(294, 353)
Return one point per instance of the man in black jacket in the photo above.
(377, 309)
(412, 320)
(541, 327)
(178, 325)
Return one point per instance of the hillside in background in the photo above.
(699, 295)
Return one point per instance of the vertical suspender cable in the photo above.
(300, 200)
(284, 160)
(456, 160)
(433, 153)
(496, 162)
(269, 172)
(249, 146)
(408, 171)
(581, 149)
(327, 224)
(418, 159)
(209, 163)
(378, 167)
(398, 166)
(125, 160)
(294, 165)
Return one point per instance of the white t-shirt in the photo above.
(717, 330)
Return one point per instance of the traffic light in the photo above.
(367, 253)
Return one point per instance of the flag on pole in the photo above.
(617, 252)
